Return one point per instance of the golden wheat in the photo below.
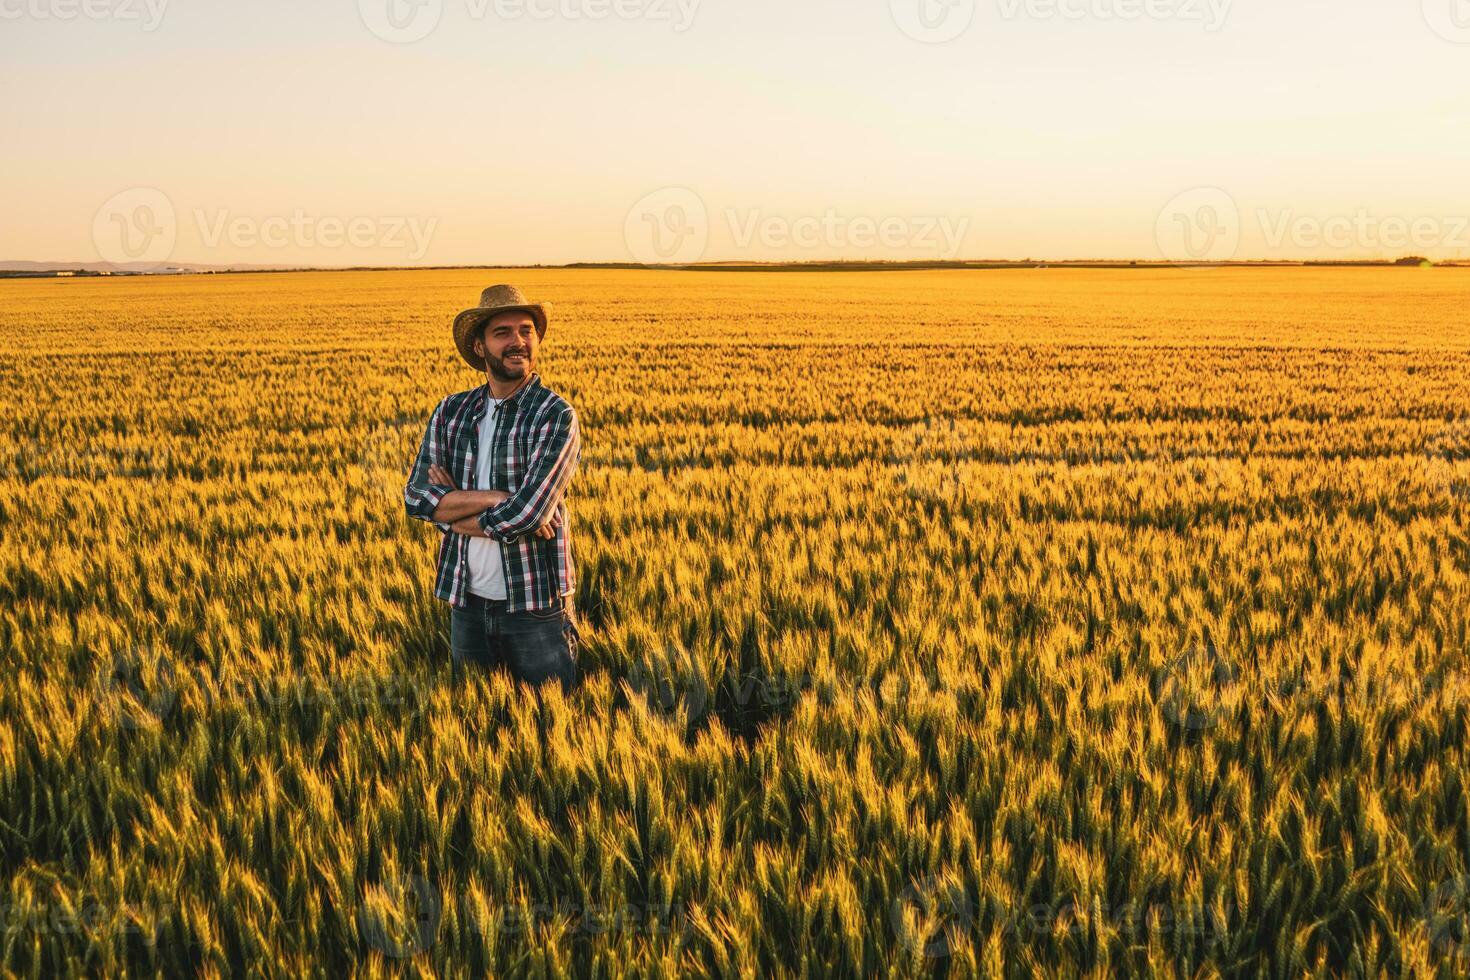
(1000, 623)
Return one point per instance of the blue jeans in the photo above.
(535, 646)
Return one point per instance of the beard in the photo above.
(513, 371)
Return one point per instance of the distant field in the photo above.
(995, 622)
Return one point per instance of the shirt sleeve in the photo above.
(554, 458)
(420, 497)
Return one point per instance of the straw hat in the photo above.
(496, 299)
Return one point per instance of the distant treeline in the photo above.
(1411, 261)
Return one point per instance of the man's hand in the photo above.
(548, 530)
(469, 525)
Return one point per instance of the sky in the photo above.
(500, 132)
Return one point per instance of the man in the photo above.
(492, 473)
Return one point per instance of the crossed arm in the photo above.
(533, 508)
(461, 509)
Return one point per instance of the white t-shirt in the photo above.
(487, 569)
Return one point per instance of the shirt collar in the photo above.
(485, 399)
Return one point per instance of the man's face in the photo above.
(508, 344)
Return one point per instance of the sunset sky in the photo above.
(533, 131)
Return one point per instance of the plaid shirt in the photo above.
(536, 447)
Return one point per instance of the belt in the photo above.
(498, 605)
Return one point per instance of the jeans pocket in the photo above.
(550, 615)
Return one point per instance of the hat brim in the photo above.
(468, 322)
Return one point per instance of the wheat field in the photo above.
(1004, 623)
